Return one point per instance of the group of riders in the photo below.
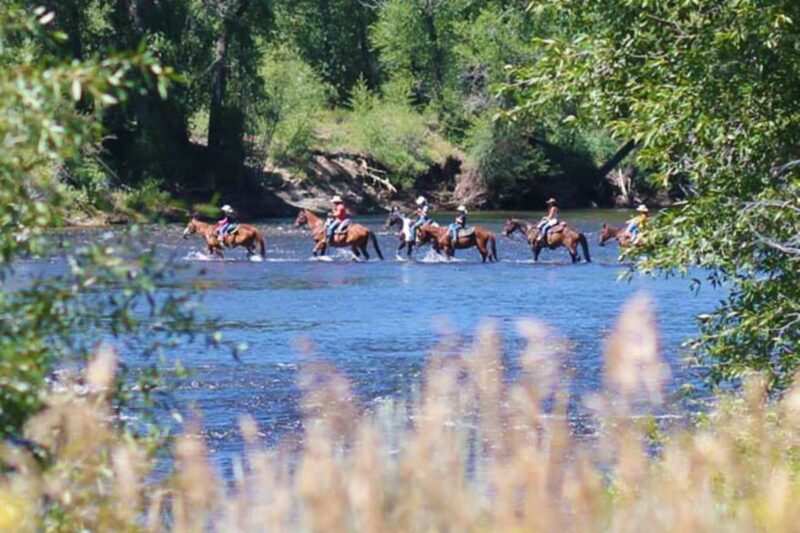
(339, 221)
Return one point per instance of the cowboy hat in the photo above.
(337, 199)
(462, 209)
(642, 209)
(421, 200)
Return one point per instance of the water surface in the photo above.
(376, 321)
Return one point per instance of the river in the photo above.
(377, 321)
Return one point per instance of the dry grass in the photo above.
(470, 453)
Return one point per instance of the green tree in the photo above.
(333, 37)
(708, 92)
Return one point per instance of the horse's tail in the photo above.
(261, 248)
(493, 244)
(585, 247)
(374, 240)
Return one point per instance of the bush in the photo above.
(388, 130)
(295, 97)
(145, 202)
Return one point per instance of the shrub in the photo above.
(388, 130)
(295, 96)
(145, 202)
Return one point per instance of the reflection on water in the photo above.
(376, 321)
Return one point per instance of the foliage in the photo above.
(473, 451)
(333, 37)
(709, 94)
(56, 320)
(387, 129)
(252, 74)
(294, 98)
(502, 154)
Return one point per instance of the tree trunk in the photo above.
(616, 159)
(218, 83)
(437, 66)
(217, 122)
(363, 46)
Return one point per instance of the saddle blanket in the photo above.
(466, 232)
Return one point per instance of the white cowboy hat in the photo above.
(421, 200)
(337, 199)
(226, 209)
(642, 209)
(551, 201)
(462, 209)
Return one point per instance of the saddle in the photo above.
(467, 232)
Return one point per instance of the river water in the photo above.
(377, 321)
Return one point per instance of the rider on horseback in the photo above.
(227, 222)
(422, 216)
(550, 220)
(340, 217)
(459, 224)
(637, 223)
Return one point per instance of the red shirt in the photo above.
(340, 212)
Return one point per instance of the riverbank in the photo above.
(366, 184)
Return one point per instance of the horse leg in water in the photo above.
(573, 252)
(537, 249)
(481, 246)
(363, 249)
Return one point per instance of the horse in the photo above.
(244, 235)
(561, 235)
(620, 234)
(403, 222)
(479, 237)
(356, 237)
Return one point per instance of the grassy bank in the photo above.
(471, 452)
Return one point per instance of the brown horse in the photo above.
(561, 235)
(483, 239)
(619, 234)
(357, 236)
(244, 235)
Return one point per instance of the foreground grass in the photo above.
(471, 452)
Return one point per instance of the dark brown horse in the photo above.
(244, 235)
(561, 235)
(357, 236)
(483, 239)
(619, 234)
